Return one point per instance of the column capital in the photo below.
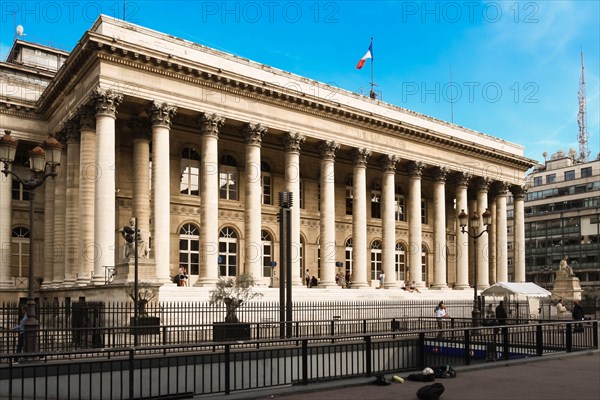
(463, 179)
(518, 191)
(210, 124)
(482, 184)
(71, 132)
(327, 148)
(292, 141)
(360, 157)
(501, 188)
(161, 114)
(416, 168)
(140, 128)
(106, 101)
(388, 162)
(440, 174)
(253, 133)
(87, 118)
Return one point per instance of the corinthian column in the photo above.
(253, 134)
(292, 143)
(106, 103)
(439, 229)
(462, 240)
(327, 214)
(6, 231)
(414, 223)
(388, 219)
(88, 173)
(519, 229)
(501, 235)
(359, 219)
(209, 193)
(483, 266)
(160, 116)
(59, 245)
(72, 235)
(141, 176)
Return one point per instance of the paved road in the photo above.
(559, 377)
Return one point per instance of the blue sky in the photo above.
(515, 64)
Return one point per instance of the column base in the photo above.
(461, 287)
(327, 285)
(205, 282)
(438, 287)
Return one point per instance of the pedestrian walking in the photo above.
(20, 328)
(501, 314)
(441, 313)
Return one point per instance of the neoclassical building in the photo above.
(197, 145)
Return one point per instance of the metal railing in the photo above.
(85, 325)
(184, 371)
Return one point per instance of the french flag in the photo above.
(368, 54)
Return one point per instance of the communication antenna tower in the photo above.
(583, 135)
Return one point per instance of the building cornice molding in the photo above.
(98, 47)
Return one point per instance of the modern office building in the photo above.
(562, 211)
(197, 144)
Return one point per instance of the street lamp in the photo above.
(39, 159)
(473, 221)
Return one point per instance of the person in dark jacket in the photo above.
(501, 313)
(578, 314)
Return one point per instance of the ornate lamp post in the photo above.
(39, 161)
(473, 221)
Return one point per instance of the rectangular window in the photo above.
(569, 175)
(18, 192)
(349, 197)
(537, 181)
(228, 183)
(424, 211)
(400, 215)
(550, 178)
(375, 204)
(266, 188)
(586, 172)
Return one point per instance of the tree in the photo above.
(233, 292)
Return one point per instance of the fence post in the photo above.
(369, 366)
(364, 323)
(305, 362)
(421, 350)
(569, 339)
(131, 380)
(595, 334)
(227, 371)
(539, 340)
(505, 344)
(468, 347)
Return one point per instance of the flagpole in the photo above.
(372, 93)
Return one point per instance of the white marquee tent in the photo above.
(515, 292)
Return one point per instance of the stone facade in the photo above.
(197, 144)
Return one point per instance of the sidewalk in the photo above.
(555, 377)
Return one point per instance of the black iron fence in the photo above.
(185, 371)
(83, 325)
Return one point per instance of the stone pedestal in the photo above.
(125, 271)
(567, 288)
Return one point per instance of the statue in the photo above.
(564, 269)
(128, 235)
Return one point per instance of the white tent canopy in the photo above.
(526, 289)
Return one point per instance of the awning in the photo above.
(527, 289)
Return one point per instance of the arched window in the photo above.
(375, 260)
(20, 251)
(348, 261)
(189, 248)
(267, 251)
(228, 248)
(228, 185)
(190, 172)
(266, 181)
(400, 261)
